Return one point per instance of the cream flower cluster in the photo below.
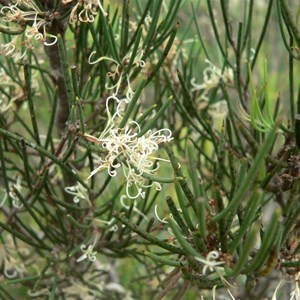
(95, 284)
(125, 148)
(295, 294)
(11, 258)
(25, 12)
(11, 193)
(13, 91)
(133, 153)
(79, 192)
(87, 252)
(85, 10)
(212, 76)
(210, 262)
(10, 87)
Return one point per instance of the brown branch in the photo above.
(5, 2)
(52, 52)
(59, 27)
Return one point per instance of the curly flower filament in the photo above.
(88, 252)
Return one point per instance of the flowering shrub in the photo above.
(147, 150)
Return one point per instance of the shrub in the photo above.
(149, 149)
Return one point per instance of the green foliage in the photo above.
(147, 149)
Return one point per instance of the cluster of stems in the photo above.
(117, 153)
